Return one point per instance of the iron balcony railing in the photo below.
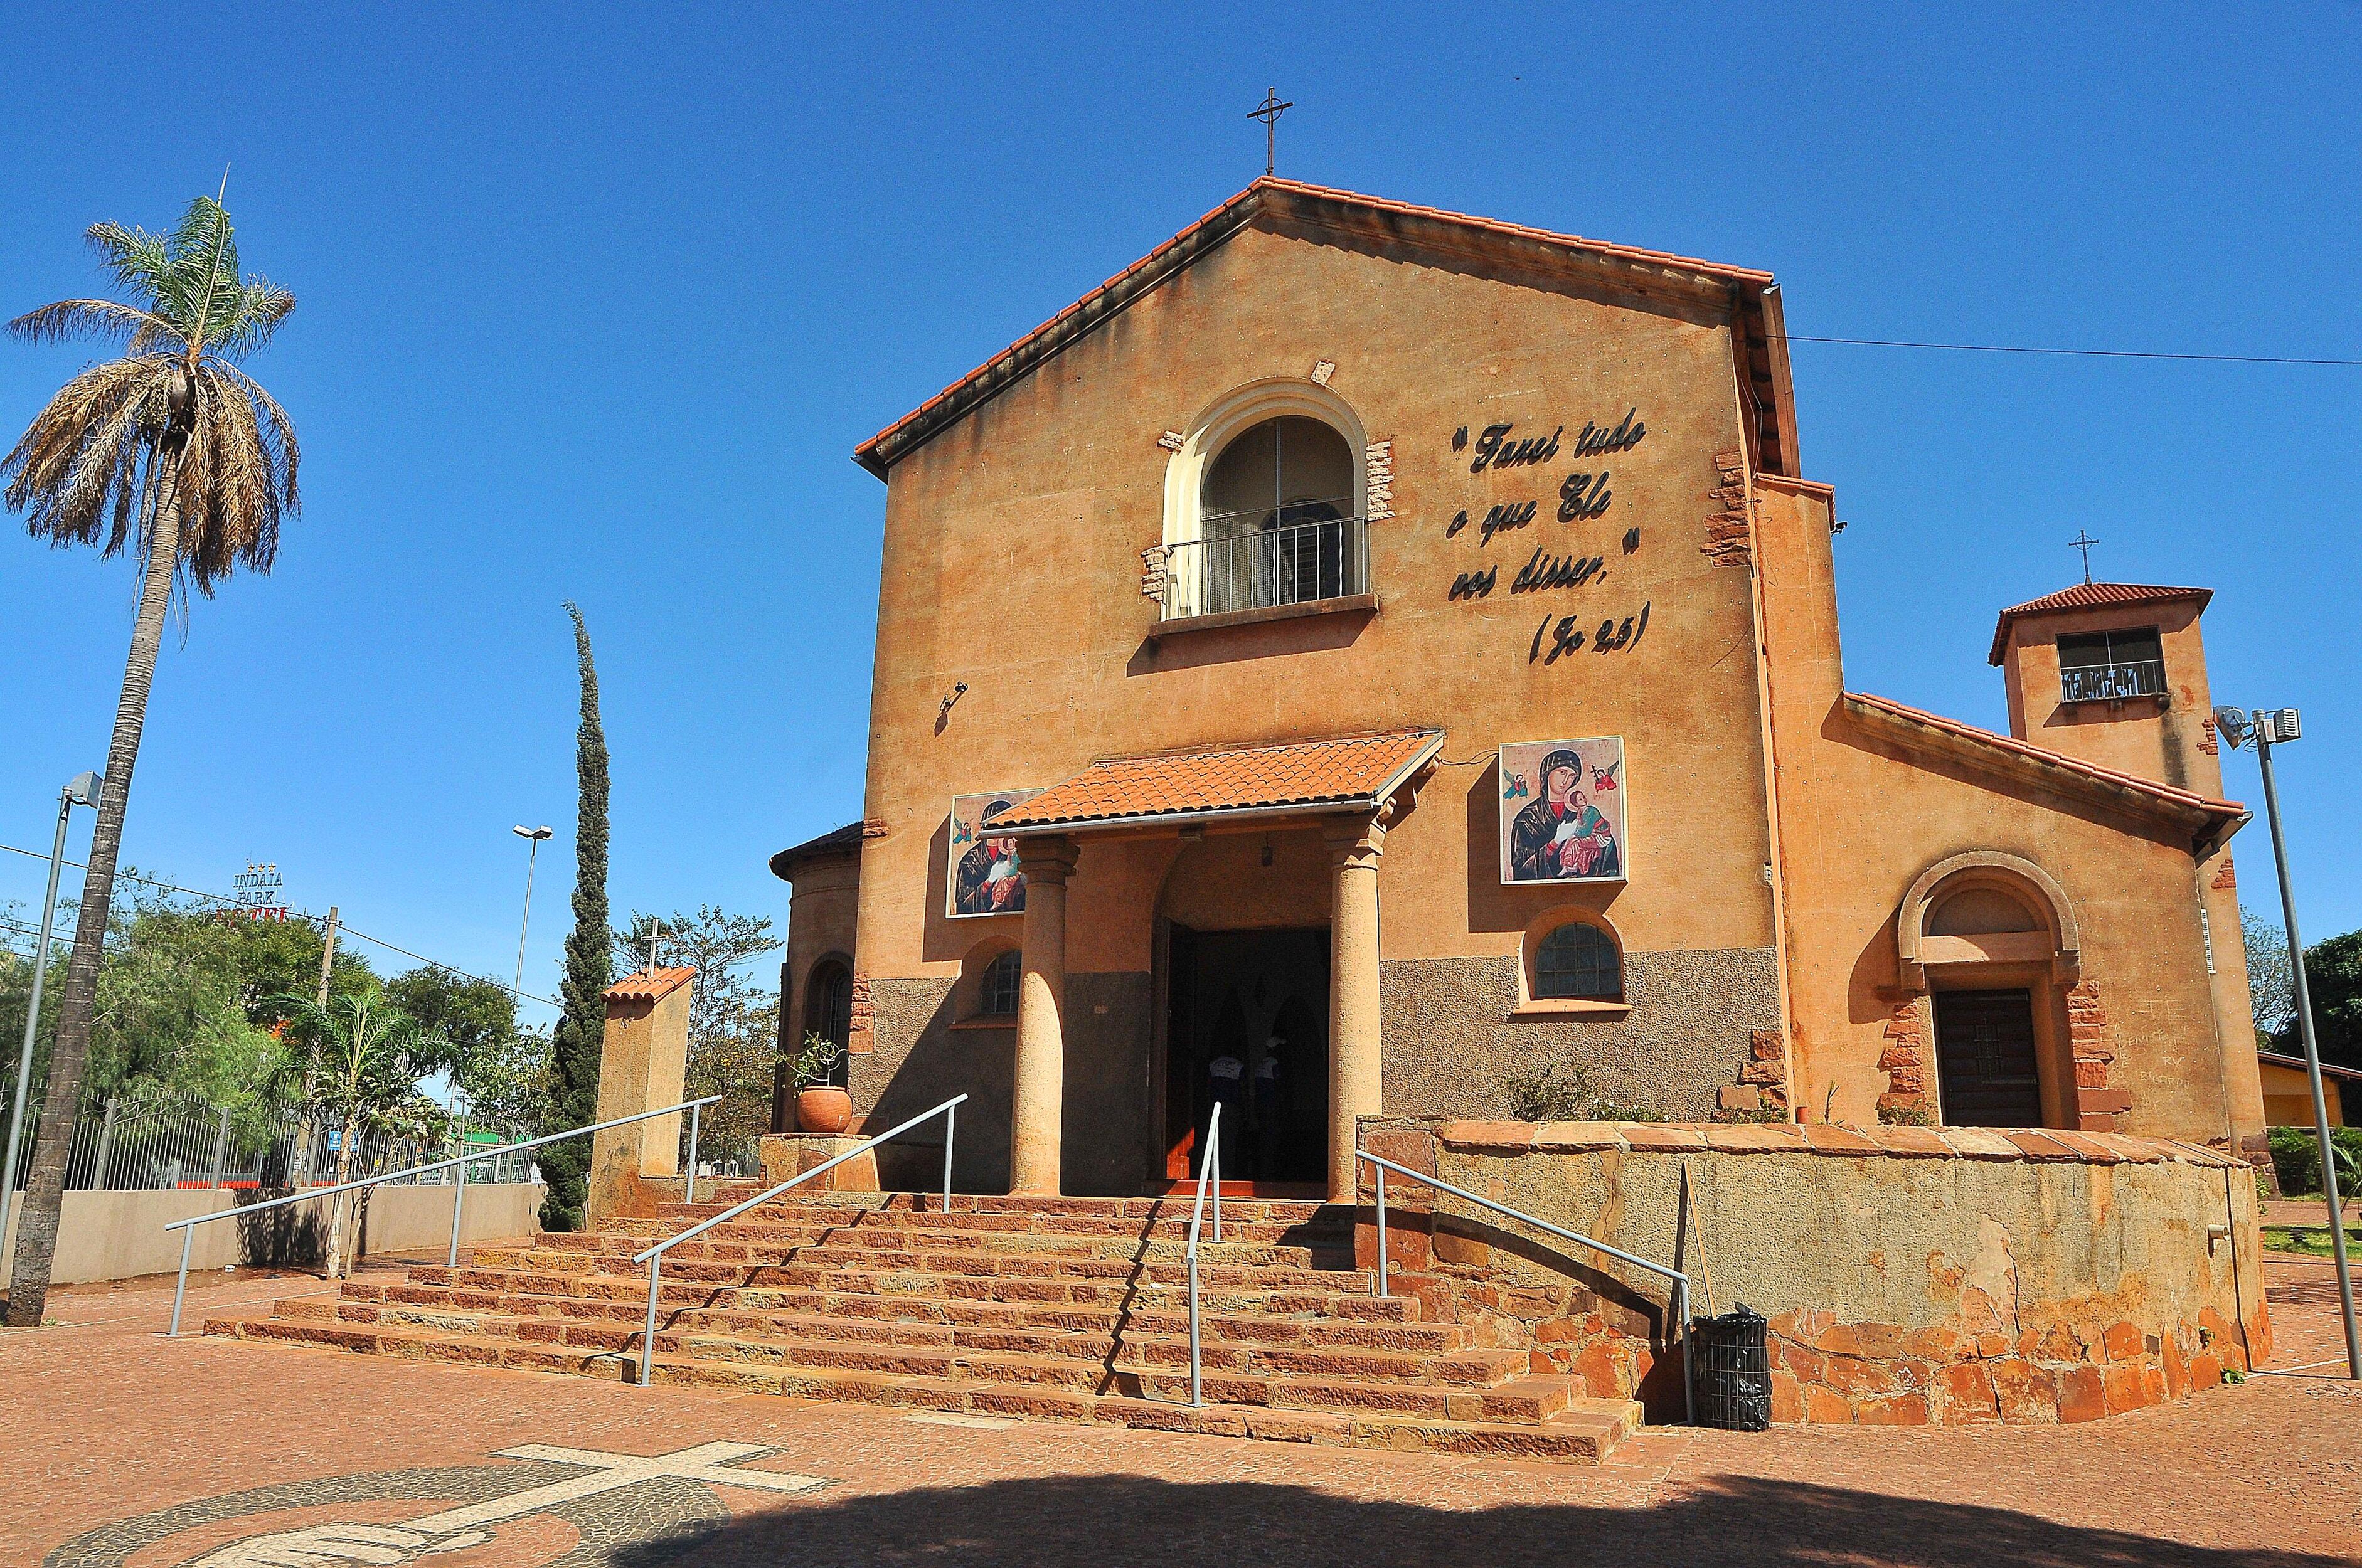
(1294, 563)
(2113, 682)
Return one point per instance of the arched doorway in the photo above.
(828, 1012)
(1992, 939)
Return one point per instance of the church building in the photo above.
(1362, 657)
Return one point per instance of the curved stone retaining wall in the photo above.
(1910, 1274)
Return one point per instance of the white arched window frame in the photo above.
(1229, 416)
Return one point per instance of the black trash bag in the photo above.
(1732, 1381)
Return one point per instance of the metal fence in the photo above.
(148, 1142)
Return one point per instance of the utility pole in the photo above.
(301, 1166)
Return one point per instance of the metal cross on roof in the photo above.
(1268, 112)
(2083, 542)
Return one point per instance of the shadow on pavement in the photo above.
(1122, 1519)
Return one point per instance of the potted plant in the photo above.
(821, 1105)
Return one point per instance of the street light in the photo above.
(81, 792)
(533, 837)
(2269, 727)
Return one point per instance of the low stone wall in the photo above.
(1910, 1274)
(113, 1235)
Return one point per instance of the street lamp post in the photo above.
(81, 792)
(533, 837)
(2270, 727)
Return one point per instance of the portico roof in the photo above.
(1348, 773)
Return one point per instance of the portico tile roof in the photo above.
(2094, 596)
(1316, 775)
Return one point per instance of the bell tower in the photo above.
(2114, 673)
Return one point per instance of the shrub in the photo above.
(2296, 1159)
(1905, 1115)
(1556, 1091)
(1561, 1091)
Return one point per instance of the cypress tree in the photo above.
(582, 1027)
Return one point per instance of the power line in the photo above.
(346, 930)
(2072, 353)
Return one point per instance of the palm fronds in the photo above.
(178, 397)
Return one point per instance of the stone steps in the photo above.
(1073, 1310)
(1527, 1419)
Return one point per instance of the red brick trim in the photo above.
(1905, 1063)
(2100, 1106)
(1725, 531)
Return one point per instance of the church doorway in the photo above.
(1247, 1024)
(1985, 1059)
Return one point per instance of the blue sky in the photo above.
(596, 301)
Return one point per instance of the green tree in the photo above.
(506, 1082)
(733, 1023)
(356, 1070)
(2271, 986)
(582, 1021)
(474, 1015)
(2333, 973)
(175, 453)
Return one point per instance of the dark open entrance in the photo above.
(1984, 1049)
(1256, 1001)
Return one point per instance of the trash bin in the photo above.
(1732, 1380)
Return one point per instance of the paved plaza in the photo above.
(124, 1448)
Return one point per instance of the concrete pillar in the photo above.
(642, 1063)
(1038, 1109)
(1356, 1066)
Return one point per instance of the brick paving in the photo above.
(105, 1424)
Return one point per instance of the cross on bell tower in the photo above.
(1268, 112)
(2083, 542)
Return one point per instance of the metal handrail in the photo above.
(1681, 1281)
(1211, 1164)
(654, 1256)
(188, 1228)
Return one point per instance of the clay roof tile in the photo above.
(2093, 596)
(1315, 774)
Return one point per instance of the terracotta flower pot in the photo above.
(824, 1110)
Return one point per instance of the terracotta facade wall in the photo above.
(1862, 817)
(1013, 562)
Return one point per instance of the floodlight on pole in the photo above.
(532, 837)
(80, 790)
(2269, 727)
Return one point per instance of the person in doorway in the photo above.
(1226, 1078)
(1269, 1088)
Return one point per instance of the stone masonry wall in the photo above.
(1910, 1274)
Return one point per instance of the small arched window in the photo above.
(1578, 961)
(996, 993)
(1276, 517)
(828, 1012)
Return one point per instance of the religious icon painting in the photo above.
(1561, 814)
(984, 878)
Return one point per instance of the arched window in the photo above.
(1578, 961)
(828, 1012)
(1276, 517)
(996, 994)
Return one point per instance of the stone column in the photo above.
(1038, 1111)
(642, 1063)
(1356, 1066)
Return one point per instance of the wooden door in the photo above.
(1984, 1049)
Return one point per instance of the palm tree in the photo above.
(172, 452)
(360, 1073)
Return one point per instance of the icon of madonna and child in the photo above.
(984, 878)
(1562, 810)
